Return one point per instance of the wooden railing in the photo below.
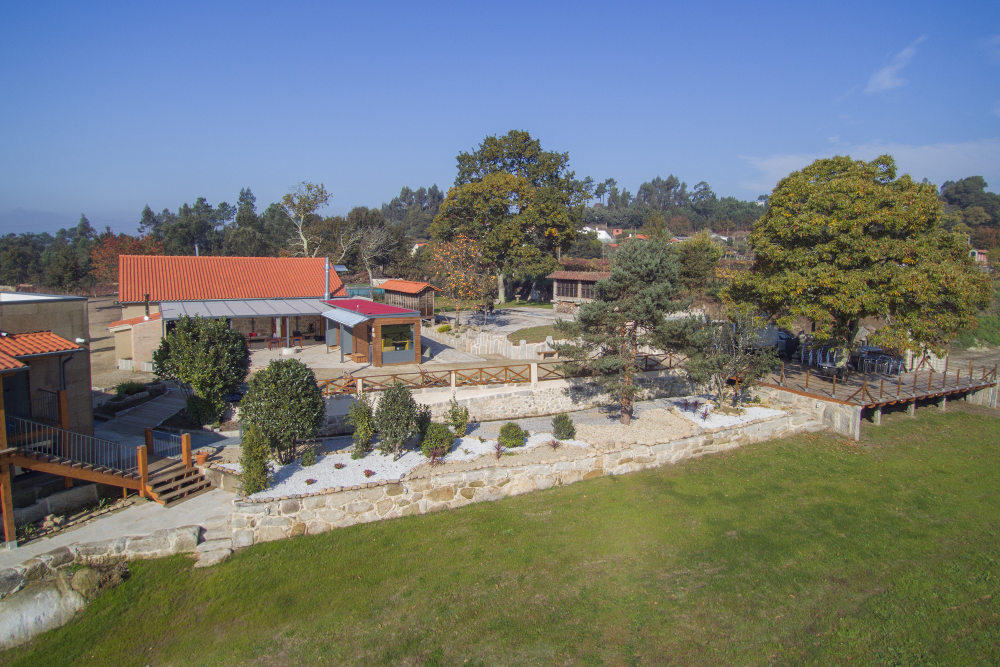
(485, 375)
(70, 446)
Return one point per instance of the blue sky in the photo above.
(110, 106)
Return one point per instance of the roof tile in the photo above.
(406, 286)
(40, 342)
(186, 278)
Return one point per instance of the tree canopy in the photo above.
(844, 240)
(627, 314)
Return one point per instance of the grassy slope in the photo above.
(534, 334)
(806, 549)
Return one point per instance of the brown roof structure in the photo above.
(188, 278)
(579, 275)
(407, 286)
(14, 347)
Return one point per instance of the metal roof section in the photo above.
(232, 308)
(340, 268)
(351, 312)
(348, 318)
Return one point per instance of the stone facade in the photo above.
(420, 493)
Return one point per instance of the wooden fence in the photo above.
(525, 373)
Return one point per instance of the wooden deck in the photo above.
(876, 391)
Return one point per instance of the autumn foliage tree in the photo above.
(104, 254)
(461, 271)
(843, 240)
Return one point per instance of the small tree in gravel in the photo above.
(285, 403)
(255, 473)
(362, 417)
(562, 427)
(395, 418)
(458, 416)
(437, 442)
(512, 435)
(423, 421)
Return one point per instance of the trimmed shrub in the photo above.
(444, 328)
(200, 411)
(309, 455)
(458, 416)
(255, 473)
(362, 417)
(395, 418)
(423, 421)
(437, 442)
(129, 388)
(562, 427)
(512, 435)
(285, 403)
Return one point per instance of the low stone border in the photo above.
(165, 542)
(289, 516)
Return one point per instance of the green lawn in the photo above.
(534, 334)
(810, 549)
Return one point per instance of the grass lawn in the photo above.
(809, 549)
(534, 334)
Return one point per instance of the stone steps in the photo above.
(216, 543)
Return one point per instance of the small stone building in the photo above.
(571, 288)
(410, 295)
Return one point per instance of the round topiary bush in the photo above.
(285, 403)
(437, 441)
(512, 435)
(562, 427)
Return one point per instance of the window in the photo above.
(566, 288)
(586, 290)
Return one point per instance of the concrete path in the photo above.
(129, 427)
(143, 518)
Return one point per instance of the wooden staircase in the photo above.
(173, 483)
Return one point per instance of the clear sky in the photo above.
(110, 106)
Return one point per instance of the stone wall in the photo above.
(490, 403)
(420, 493)
(840, 418)
(487, 344)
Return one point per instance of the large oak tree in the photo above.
(843, 240)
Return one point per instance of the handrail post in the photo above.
(143, 463)
(930, 378)
(63, 404)
(186, 449)
(881, 388)
(899, 382)
(7, 500)
(833, 394)
(150, 450)
(944, 376)
(807, 379)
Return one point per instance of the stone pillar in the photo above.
(943, 404)
(452, 373)
(877, 416)
(911, 409)
(534, 374)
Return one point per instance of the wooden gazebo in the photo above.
(410, 295)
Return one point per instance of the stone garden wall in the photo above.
(423, 492)
(491, 403)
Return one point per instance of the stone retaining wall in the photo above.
(489, 344)
(492, 403)
(264, 521)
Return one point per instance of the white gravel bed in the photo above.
(719, 420)
(292, 479)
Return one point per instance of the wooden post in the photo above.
(881, 388)
(150, 450)
(64, 424)
(930, 378)
(140, 457)
(899, 382)
(7, 503)
(915, 373)
(834, 392)
(782, 373)
(944, 376)
(186, 449)
(807, 379)
(970, 371)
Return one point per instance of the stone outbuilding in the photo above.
(571, 288)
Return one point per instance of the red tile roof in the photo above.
(579, 275)
(134, 320)
(30, 344)
(185, 278)
(369, 308)
(406, 286)
(9, 363)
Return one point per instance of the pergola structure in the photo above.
(375, 333)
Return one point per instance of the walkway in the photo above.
(129, 427)
(143, 518)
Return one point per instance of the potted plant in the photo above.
(201, 456)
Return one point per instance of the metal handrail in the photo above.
(167, 444)
(38, 438)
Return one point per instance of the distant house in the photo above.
(978, 256)
(571, 288)
(264, 298)
(411, 295)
